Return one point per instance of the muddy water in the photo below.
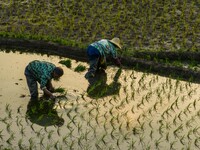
(126, 110)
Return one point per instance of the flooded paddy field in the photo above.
(124, 109)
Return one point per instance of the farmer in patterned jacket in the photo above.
(42, 72)
(98, 52)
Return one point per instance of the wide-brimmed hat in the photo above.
(116, 41)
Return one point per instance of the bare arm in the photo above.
(47, 92)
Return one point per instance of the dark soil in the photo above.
(138, 61)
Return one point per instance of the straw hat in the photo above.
(116, 41)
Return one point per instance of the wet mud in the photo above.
(118, 109)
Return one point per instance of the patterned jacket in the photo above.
(42, 71)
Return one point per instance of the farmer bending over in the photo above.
(98, 52)
(42, 72)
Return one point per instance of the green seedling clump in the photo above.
(59, 90)
(67, 63)
(80, 68)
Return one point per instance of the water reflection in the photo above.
(99, 88)
(41, 112)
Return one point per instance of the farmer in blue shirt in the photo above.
(99, 51)
(42, 72)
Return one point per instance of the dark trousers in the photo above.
(94, 57)
(32, 84)
(95, 60)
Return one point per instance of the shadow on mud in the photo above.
(99, 88)
(41, 112)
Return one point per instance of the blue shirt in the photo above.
(42, 71)
(105, 48)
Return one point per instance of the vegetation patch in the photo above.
(59, 90)
(80, 68)
(66, 62)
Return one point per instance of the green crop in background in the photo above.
(141, 25)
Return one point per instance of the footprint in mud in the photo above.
(22, 96)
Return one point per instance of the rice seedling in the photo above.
(196, 132)
(97, 146)
(9, 111)
(103, 139)
(96, 119)
(172, 145)
(20, 145)
(56, 145)
(1, 134)
(80, 68)
(155, 106)
(118, 143)
(79, 128)
(22, 131)
(8, 127)
(66, 62)
(10, 139)
(120, 128)
(188, 107)
(141, 140)
(89, 124)
(60, 90)
(50, 133)
(188, 124)
(189, 134)
(157, 143)
(161, 130)
(48, 147)
(74, 120)
(71, 145)
(131, 144)
(128, 122)
(167, 137)
(179, 116)
(112, 123)
(176, 131)
(64, 140)
(19, 110)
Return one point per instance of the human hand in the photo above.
(51, 89)
(52, 97)
(118, 62)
